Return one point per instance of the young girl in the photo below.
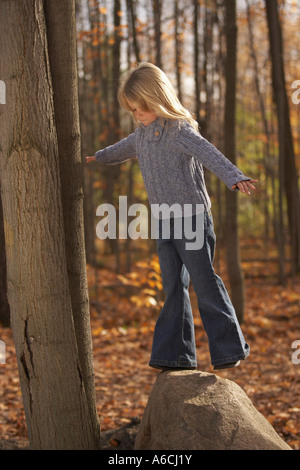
(171, 152)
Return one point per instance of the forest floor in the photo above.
(124, 309)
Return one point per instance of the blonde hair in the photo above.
(148, 87)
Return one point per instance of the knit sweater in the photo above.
(171, 156)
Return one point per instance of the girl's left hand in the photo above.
(245, 186)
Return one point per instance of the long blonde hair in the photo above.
(148, 87)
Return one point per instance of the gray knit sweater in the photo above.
(171, 156)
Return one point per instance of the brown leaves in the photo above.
(124, 309)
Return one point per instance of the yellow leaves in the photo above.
(262, 322)
(141, 301)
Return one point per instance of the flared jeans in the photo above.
(174, 336)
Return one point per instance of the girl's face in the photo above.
(145, 117)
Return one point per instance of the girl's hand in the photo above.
(245, 186)
(90, 159)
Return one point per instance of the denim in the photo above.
(174, 337)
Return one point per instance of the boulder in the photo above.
(193, 410)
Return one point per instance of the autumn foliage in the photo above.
(124, 308)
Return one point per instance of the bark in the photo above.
(277, 206)
(233, 250)
(54, 395)
(288, 170)
(131, 7)
(157, 10)
(178, 49)
(61, 29)
(196, 62)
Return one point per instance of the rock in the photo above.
(193, 410)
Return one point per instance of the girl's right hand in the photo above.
(90, 159)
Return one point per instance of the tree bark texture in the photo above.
(233, 250)
(61, 29)
(54, 395)
(157, 10)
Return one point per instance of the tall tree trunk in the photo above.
(61, 29)
(233, 250)
(115, 128)
(286, 148)
(131, 8)
(54, 394)
(277, 207)
(157, 9)
(178, 49)
(196, 61)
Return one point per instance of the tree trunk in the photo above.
(61, 29)
(196, 62)
(288, 171)
(54, 394)
(233, 250)
(277, 205)
(178, 49)
(131, 8)
(157, 9)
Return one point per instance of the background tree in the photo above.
(157, 11)
(270, 171)
(232, 238)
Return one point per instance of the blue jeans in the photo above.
(174, 338)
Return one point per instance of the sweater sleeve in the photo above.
(119, 152)
(194, 145)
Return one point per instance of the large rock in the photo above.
(193, 410)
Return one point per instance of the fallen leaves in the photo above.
(124, 309)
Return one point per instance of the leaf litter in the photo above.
(124, 309)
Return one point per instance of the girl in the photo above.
(171, 152)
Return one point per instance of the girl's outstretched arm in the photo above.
(119, 152)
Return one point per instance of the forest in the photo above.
(78, 311)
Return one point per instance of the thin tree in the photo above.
(233, 251)
(53, 389)
(178, 48)
(288, 171)
(157, 11)
(277, 205)
(196, 60)
(131, 9)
